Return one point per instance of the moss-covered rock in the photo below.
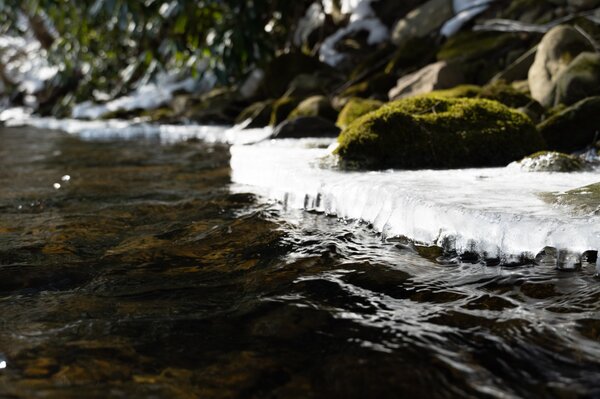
(259, 114)
(551, 161)
(572, 128)
(282, 109)
(219, 105)
(583, 200)
(315, 106)
(376, 86)
(468, 91)
(355, 108)
(424, 132)
(579, 80)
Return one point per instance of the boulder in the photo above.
(555, 52)
(435, 132)
(315, 106)
(305, 126)
(440, 75)
(573, 128)
(580, 79)
(551, 161)
(355, 108)
(583, 4)
(422, 21)
(284, 68)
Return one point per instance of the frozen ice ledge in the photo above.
(496, 213)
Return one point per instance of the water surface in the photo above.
(143, 274)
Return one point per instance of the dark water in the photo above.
(145, 276)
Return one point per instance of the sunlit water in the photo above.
(145, 274)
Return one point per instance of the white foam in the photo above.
(492, 211)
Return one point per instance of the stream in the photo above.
(135, 268)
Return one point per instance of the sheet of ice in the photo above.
(492, 211)
(121, 129)
(148, 96)
(362, 18)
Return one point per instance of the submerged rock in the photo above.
(306, 126)
(355, 108)
(573, 128)
(315, 106)
(434, 132)
(555, 52)
(550, 161)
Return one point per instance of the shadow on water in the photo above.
(143, 275)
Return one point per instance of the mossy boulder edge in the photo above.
(436, 132)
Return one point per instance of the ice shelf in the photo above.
(496, 212)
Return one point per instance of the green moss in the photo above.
(259, 113)
(468, 91)
(315, 106)
(355, 108)
(282, 108)
(423, 132)
(497, 91)
(583, 200)
(573, 128)
(552, 161)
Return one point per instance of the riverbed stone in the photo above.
(556, 51)
(551, 161)
(573, 128)
(306, 126)
(435, 132)
(257, 114)
(355, 108)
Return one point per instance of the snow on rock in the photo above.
(26, 63)
(465, 11)
(149, 96)
(495, 212)
(362, 18)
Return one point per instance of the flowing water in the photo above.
(134, 269)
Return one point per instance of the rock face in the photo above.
(573, 128)
(306, 126)
(551, 161)
(315, 106)
(554, 54)
(355, 108)
(422, 21)
(579, 80)
(435, 132)
(437, 76)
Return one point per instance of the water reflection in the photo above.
(146, 276)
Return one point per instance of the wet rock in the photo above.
(422, 21)
(518, 69)
(220, 105)
(551, 161)
(355, 108)
(583, 4)
(376, 86)
(429, 131)
(258, 114)
(315, 106)
(306, 126)
(555, 52)
(440, 75)
(573, 128)
(305, 85)
(579, 80)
